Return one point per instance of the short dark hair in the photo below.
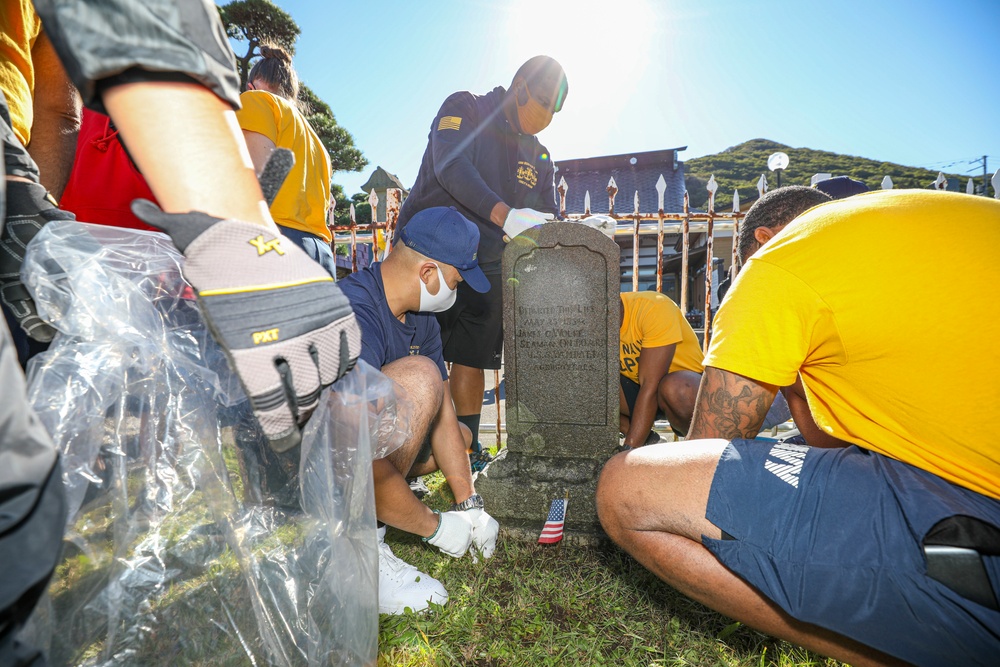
(775, 209)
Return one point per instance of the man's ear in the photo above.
(762, 235)
(426, 271)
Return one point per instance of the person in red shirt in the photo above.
(104, 180)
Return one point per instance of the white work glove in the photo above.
(454, 533)
(521, 219)
(602, 223)
(484, 533)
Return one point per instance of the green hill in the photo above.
(739, 167)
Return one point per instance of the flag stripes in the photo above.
(449, 123)
(552, 531)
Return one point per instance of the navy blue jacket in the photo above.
(475, 159)
(384, 338)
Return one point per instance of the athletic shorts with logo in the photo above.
(834, 537)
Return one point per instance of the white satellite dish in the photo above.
(777, 161)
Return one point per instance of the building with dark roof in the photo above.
(633, 172)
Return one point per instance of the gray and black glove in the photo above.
(285, 326)
(29, 208)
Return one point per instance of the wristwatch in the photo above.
(473, 502)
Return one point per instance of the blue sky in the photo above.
(913, 82)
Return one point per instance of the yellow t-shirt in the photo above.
(654, 320)
(19, 28)
(886, 304)
(303, 200)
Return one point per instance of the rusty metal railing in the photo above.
(660, 224)
(635, 225)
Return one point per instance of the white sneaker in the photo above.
(400, 585)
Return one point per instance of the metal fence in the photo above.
(635, 224)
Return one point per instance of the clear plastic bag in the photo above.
(189, 541)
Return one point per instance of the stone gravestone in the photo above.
(561, 323)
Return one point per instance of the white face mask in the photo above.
(440, 302)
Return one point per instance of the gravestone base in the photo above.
(520, 489)
(571, 539)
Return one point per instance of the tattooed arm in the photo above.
(729, 406)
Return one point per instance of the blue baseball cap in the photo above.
(443, 234)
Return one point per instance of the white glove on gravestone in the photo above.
(602, 223)
(521, 219)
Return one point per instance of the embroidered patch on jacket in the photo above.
(527, 174)
(449, 123)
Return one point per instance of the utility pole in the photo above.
(986, 179)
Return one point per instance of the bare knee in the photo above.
(680, 388)
(419, 376)
(677, 394)
(421, 381)
(609, 499)
(662, 488)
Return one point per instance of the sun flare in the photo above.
(603, 46)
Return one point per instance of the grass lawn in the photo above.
(559, 605)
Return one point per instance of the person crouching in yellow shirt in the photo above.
(660, 364)
(885, 550)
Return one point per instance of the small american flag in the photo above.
(552, 531)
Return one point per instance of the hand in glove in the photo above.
(454, 533)
(520, 219)
(484, 533)
(29, 208)
(285, 326)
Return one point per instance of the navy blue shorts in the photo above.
(140, 40)
(834, 537)
(472, 329)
